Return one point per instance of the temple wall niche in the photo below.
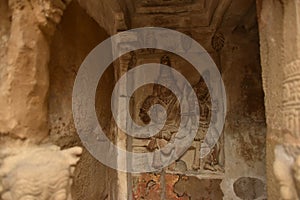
(240, 170)
(235, 49)
(183, 178)
(75, 37)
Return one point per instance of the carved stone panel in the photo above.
(190, 162)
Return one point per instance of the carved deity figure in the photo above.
(164, 96)
(211, 161)
(37, 172)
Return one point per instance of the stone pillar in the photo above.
(25, 77)
(279, 24)
(45, 170)
(287, 154)
(291, 82)
(270, 20)
(121, 66)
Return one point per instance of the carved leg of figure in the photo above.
(152, 145)
(216, 158)
(209, 166)
(218, 168)
(169, 147)
(209, 163)
(221, 157)
(157, 164)
(196, 161)
(282, 167)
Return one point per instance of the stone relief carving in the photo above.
(287, 155)
(37, 172)
(287, 171)
(211, 162)
(163, 96)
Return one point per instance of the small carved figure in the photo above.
(211, 140)
(205, 115)
(37, 172)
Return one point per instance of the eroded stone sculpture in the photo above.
(287, 171)
(287, 154)
(37, 172)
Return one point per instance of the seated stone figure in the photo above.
(169, 134)
(37, 172)
(163, 96)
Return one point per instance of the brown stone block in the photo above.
(170, 181)
(196, 189)
(146, 186)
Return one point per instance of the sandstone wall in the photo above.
(37, 94)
